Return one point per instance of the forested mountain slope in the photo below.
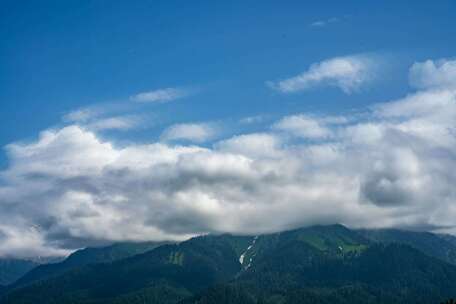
(320, 264)
(13, 269)
(84, 257)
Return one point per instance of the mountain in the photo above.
(320, 264)
(169, 272)
(449, 238)
(439, 246)
(298, 274)
(335, 265)
(84, 257)
(13, 269)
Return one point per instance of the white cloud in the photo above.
(346, 73)
(322, 23)
(107, 116)
(391, 167)
(421, 104)
(433, 74)
(82, 115)
(319, 23)
(66, 152)
(161, 95)
(303, 126)
(252, 145)
(126, 122)
(195, 132)
(252, 119)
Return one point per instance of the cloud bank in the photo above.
(392, 166)
(346, 73)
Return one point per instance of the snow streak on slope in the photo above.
(242, 257)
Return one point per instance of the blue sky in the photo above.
(57, 56)
(152, 120)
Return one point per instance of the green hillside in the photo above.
(320, 264)
(440, 246)
(13, 269)
(84, 257)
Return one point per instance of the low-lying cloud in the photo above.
(392, 166)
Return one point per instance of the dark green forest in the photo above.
(320, 264)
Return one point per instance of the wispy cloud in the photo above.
(252, 119)
(109, 116)
(161, 95)
(346, 73)
(194, 132)
(126, 122)
(322, 23)
(82, 114)
(96, 111)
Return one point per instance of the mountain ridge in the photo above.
(13, 269)
(329, 264)
(82, 257)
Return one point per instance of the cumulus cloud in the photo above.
(433, 74)
(194, 132)
(390, 167)
(161, 95)
(304, 126)
(252, 145)
(346, 73)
